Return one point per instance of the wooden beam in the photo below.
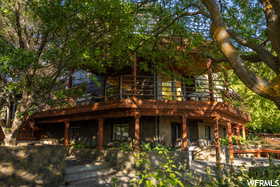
(147, 105)
(243, 132)
(137, 132)
(184, 144)
(100, 135)
(230, 145)
(217, 144)
(66, 133)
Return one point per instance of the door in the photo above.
(176, 132)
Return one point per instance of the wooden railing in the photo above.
(259, 152)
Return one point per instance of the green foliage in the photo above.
(164, 173)
(236, 177)
(235, 139)
(264, 113)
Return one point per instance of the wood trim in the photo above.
(133, 103)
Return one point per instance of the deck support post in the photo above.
(238, 133)
(100, 135)
(137, 132)
(66, 133)
(243, 132)
(217, 145)
(184, 144)
(230, 145)
(258, 154)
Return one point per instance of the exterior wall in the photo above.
(201, 130)
(165, 128)
(148, 128)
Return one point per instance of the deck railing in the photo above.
(151, 87)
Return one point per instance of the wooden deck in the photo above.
(138, 107)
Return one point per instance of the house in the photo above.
(146, 105)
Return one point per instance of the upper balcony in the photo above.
(153, 87)
(125, 95)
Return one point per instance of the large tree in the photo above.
(41, 41)
(248, 32)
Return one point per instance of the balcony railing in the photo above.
(152, 87)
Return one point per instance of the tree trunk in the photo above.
(10, 131)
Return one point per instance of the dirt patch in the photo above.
(32, 165)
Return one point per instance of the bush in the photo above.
(164, 173)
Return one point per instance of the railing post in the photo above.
(105, 89)
(134, 74)
(225, 89)
(155, 85)
(211, 84)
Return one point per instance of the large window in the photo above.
(121, 132)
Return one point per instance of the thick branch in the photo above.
(264, 54)
(221, 35)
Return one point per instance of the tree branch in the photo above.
(264, 54)
(18, 27)
(222, 37)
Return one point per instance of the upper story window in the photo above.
(171, 90)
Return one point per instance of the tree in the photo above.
(41, 41)
(264, 113)
(243, 43)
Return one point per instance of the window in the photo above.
(120, 132)
(171, 90)
(208, 132)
